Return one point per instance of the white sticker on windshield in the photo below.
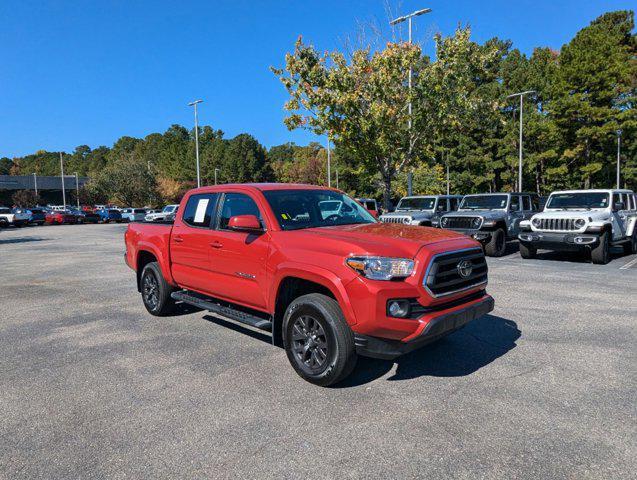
(200, 213)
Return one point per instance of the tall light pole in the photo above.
(77, 191)
(216, 170)
(393, 22)
(194, 104)
(521, 95)
(35, 183)
(62, 175)
(619, 143)
(329, 163)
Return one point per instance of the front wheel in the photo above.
(496, 246)
(526, 251)
(600, 254)
(156, 291)
(318, 341)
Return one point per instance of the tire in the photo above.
(497, 244)
(156, 291)
(527, 251)
(317, 320)
(631, 246)
(600, 254)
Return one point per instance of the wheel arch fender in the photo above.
(145, 248)
(316, 274)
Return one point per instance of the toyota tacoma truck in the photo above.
(491, 218)
(422, 210)
(328, 286)
(583, 220)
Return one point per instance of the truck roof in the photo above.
(597, 190)
(264, 186)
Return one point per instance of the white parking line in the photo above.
(629, 264)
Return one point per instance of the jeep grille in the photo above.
(443, 275)
(558, 224)
(459, 222)
(395, 219)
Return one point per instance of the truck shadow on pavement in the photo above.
(461, 353)
(576, 257)
(22, 240)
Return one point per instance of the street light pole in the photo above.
(62, 175)
(329, 163)
(35, 183)
(521, 95)
(77, 191)
(194, 104)
(393, 22)
(216, 170)
(619, 142)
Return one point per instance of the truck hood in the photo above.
(486, 214)
(415, 214)
(593, 215)
(383, 239)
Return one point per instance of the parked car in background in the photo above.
(108, 215)
(492, 218)
(13, 217)
(87, 208)
(161, 216)
(327, 288)
(55, 217)
(370, 205)
(423, 210)
(38, 216)
(90, 217)
(583, 220)
(134, 214)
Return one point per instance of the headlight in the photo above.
(536, 222)
(444, 222)
(381, 268)
(407, 220)
(580, 222)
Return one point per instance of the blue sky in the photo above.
(89, 72)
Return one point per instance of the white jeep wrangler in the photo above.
(592, 220)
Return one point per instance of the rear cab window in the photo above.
(200, 210)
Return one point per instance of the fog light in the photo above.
(398, 308)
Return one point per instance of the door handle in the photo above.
(216, 244)
(178, 239)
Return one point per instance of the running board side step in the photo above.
(215, 306)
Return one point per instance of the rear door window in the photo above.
(200, 208)
(515, 203)
(526, 202)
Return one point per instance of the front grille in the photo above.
(557, 224)
(395, 219)
(460, 222)
(443, 275)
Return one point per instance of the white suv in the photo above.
(591, 220)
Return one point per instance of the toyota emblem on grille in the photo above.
(465, 267)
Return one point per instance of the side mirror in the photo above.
(245, 223)
(619, 206)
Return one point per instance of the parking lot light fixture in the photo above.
(619, 142)
(77, 190)
(35, 183)
(62, 176)
(521, 95)
(194, 104)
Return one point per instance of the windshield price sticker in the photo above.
(200, 213)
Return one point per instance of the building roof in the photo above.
(27, 182)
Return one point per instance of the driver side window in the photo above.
(237, 204)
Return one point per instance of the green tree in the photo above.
(245, 161)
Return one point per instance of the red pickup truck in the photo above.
(313, 267)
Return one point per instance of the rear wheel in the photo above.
(156, 291)
(601, 253)
(318, 341)
(527, 251)
(631, 246)
(496, 245)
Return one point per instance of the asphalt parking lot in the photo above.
(91, 386)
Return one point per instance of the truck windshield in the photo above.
(416, 203)
(483, 202)
(581, 200)
(296, 209)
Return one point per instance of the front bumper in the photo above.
(437, 327)
(558, 241)
(479, 235)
